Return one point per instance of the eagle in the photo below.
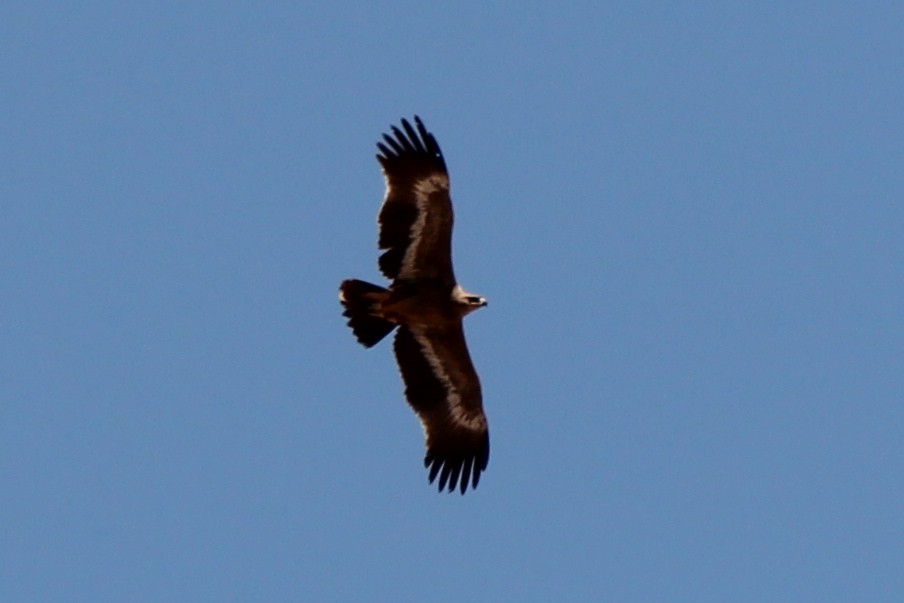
(425, 305)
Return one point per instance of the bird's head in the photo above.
(467, 302)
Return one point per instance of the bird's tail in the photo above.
(362, 306)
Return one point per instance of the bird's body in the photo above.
(426, 304)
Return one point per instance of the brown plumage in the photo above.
(426, 304)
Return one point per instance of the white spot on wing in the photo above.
(474, 422)
(430, 184)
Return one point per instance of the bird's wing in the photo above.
(416, 217)
(442, 387)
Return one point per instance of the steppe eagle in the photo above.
(426, 304)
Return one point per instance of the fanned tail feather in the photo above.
(361, 301)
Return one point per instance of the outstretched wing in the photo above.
(416, 217)
(442, 387)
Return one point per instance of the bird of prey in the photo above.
(426, 304)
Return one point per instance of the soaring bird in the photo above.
(426, 305)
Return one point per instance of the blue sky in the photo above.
(687, 219)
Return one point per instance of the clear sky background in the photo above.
(689, 222)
